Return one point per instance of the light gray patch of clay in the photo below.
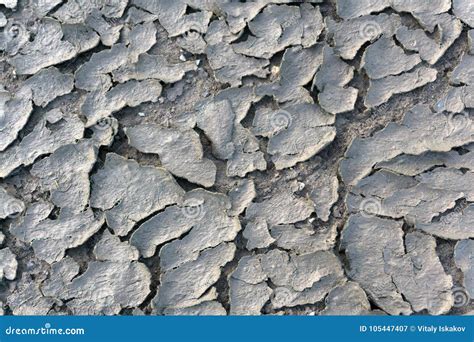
(99, 105)
(324, 194)
(410, 137)
(209, 308)
(65, 174)
(42, 140)
(381, 90)
(45, 50)
(14, 114)
(429, 49)
(10, 206)
(180, 151)
(464, 10)
(230, 67)
(8, 264)
(384, 58)
(305, 239)
(463, 256)
(241, 195)
(51, 238)
(207, 213)
(350, 35)
(257, 234)
(46, 85)
(464, 71)
(153, 66)
(347, 299)
(297, 132)
(282, 208)
(110, 248)
(280, 26)
(392, 267)
(28, 300)
(248, 289)
(297, 68)
(128, 192)
(122, 285)
(109, 33)
(470, 36)
(190, 283)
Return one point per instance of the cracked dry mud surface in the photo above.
(181, 157)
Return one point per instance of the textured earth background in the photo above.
(185, 157)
